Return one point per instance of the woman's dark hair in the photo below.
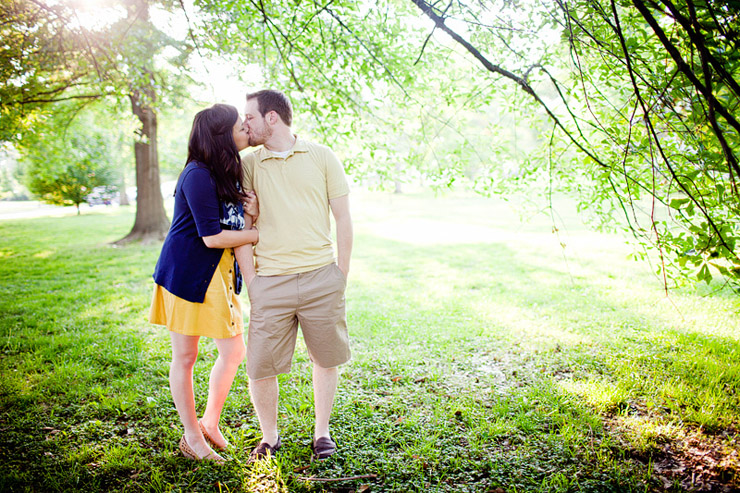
(212, 143)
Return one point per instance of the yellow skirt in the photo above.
(220, 314)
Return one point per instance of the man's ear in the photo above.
(272, 117)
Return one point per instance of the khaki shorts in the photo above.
(315, 301)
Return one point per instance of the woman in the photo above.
(197, 278)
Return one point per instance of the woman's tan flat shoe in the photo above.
(188, 452)
(210, 440)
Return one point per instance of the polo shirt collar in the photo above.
(299, 146)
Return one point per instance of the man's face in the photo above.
(259, 130)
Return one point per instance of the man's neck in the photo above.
(281, 142)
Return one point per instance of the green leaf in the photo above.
(678, 203)
(704, 274)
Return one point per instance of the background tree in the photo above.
(10, 187)
(41, 62)
(70, 181)
(63, 160)
(52, 56)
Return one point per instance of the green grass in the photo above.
(486, 357)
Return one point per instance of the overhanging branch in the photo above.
(439, 21)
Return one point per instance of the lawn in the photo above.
(486, 357)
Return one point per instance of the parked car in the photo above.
(102, 195)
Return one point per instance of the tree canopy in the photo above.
(635, 102)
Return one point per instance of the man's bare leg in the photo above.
(324, 389)
(265, 399)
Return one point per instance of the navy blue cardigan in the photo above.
(186, 265)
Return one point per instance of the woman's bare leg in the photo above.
(184, 354)
(231, 353)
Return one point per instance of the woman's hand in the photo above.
(251, 205)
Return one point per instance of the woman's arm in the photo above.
(231, 238)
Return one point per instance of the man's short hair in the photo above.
(269, 100)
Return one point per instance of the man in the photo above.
(296, 281)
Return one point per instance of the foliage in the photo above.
(634, 102)
(71, 182)
(386, 123)
(10, 187)
(660, 86)
(39, 60)
(488, 362)
(51, 55)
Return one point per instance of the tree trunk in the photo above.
(151, 222)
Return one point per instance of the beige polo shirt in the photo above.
(294, 194)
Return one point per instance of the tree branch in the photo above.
(683, 66)
(68, 98)
(693, 29)
(440, 23)
(651, 129)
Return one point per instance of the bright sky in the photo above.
(224, 80)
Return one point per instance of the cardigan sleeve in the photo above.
(200, 193)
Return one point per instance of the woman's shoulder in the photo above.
(195, 169)
(196, 166)
(195, 174)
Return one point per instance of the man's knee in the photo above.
(262, 386)
(330, 369)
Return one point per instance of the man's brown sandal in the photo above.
(210, 440)
(323, 448)
(264, 450)
(188, 452)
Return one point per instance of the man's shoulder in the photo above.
(251, 158)
(319, 153)
(315, 146)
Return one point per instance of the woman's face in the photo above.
(241, 137)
